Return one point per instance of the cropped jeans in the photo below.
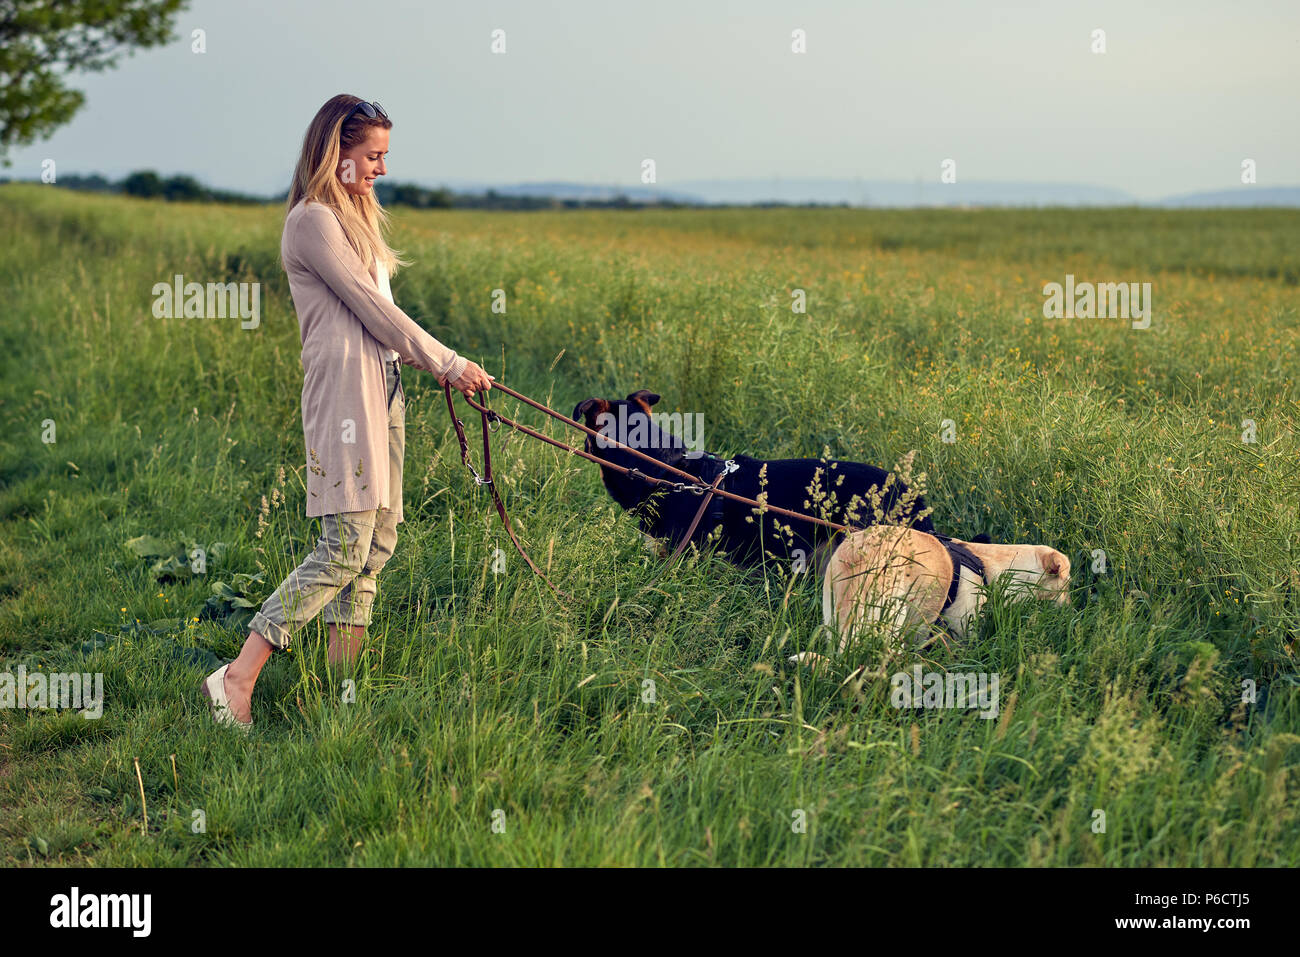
(339, 576)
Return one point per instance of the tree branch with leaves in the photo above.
(44, 42)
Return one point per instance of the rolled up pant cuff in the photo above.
(276, 634)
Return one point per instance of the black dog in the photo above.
(666, 514)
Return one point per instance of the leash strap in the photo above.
(397, 379)
(730, 467)
(695, 485)
(487, 480)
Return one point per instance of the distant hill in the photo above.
(576, 191)
(835, 192)
(884, 193)
(1241, 196)
(898, 193)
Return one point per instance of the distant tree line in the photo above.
(149, 185)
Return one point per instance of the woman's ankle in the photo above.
(255, 652)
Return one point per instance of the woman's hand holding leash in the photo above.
(473, 379)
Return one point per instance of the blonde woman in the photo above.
(354, 339)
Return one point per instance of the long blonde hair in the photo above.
(336, 128)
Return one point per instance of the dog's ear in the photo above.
(1053, 562)
(589, 409)
(643, 395)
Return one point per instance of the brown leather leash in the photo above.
(696, 486)
(708, 497)
(488, 481)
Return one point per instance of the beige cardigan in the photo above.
(347, 327)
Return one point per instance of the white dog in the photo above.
(908, 578)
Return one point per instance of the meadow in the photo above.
(489, 723)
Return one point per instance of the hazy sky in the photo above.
(586, 90)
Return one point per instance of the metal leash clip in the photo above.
(478, 479)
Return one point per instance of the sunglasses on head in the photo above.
(371, 110)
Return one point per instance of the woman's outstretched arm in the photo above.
(316, 240)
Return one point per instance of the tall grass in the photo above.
(654, 721)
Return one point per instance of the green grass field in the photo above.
(484, 701)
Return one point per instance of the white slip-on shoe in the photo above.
(214, 688)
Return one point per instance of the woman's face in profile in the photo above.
(359, 165)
